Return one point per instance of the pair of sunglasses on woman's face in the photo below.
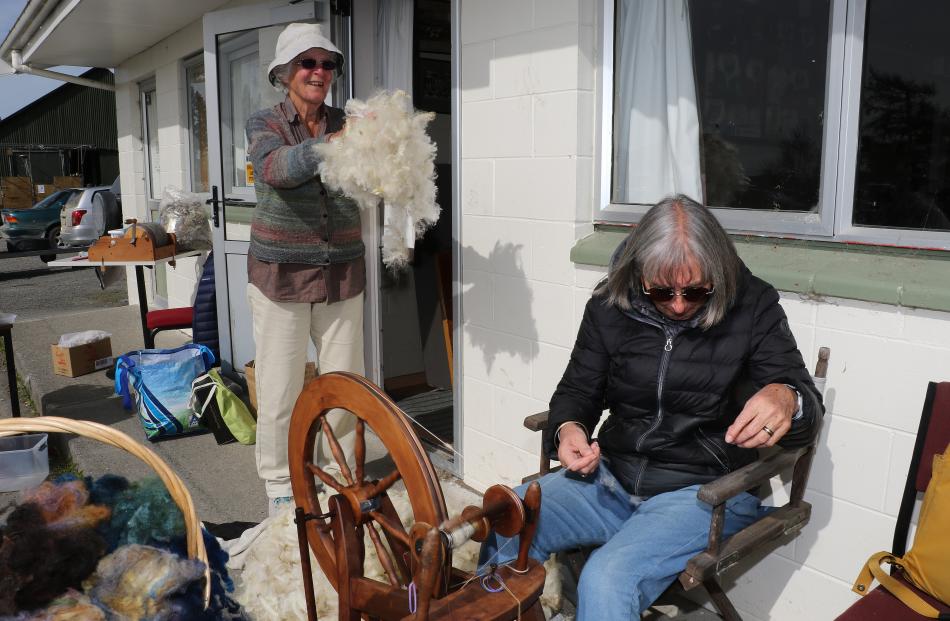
(312, 63)
(689, 294)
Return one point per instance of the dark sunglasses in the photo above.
(690, 294)
(311, 63)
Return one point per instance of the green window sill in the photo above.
(914, 278)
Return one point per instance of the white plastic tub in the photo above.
(24, 461)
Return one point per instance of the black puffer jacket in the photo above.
(673, 389)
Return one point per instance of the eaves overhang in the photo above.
(96, 33)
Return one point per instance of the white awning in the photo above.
(97, 33)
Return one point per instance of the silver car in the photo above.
(87, 215)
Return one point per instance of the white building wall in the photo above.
(526, 143)
(526, 196)
(162, 62)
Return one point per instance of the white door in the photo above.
(238, 46)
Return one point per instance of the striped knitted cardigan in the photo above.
(297, 220)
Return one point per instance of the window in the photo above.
(197, 123)
(814, 118)
(149, 102)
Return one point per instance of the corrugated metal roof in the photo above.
(68, 115)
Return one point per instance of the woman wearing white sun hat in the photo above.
(306, 272)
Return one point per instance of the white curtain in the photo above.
(656, 122)
(394, 45)
(394, 71)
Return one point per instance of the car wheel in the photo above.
(52, 237)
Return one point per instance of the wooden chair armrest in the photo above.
(748, 477)
(537, 422)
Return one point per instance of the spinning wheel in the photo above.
(367, 499)
(417, 560)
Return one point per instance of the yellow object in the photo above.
(925, 564)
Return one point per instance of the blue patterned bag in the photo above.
(159, 382)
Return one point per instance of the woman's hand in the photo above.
(769, 410)
(575, 453)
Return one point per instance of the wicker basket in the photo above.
(108, 435)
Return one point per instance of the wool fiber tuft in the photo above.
(385, 153)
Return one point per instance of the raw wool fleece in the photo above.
(270, 581)
(385, 153)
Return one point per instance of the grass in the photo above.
(60, 462)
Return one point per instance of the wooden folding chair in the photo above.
(704, 569)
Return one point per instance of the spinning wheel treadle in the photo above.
(421, 555)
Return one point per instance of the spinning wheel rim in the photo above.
(394, 429)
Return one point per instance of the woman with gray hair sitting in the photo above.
(693, 357)
(305, 264)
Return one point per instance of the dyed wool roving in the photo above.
(64, 505)
(38, 563)
(385, 153)
(70, 606)
(142, 582)
(145, 513)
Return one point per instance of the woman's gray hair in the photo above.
(281, 75)
(675, 232)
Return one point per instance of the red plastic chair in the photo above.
(933, 436)
(167, 319)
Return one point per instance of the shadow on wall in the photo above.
(498, 302)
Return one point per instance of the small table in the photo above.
(139, 278)
(6, 331)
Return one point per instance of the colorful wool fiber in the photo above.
(71, 606)
(145, 514)
(64, 504)
(42, 562)
(106, 489)
(385, 153)
(148, 584)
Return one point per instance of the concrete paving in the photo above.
(222, 479)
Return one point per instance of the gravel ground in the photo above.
(31, 290)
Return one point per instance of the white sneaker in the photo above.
(281, 503)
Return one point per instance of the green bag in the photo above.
(216, 407)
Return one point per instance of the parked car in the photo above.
(87, 215)
(37, 226)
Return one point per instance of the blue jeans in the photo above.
(643, 543)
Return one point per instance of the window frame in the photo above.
(842, 110)
(188, 63)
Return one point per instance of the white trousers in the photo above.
(281, 331)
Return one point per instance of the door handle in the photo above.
(213, 201)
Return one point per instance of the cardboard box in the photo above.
(309, 373)
(82, 359)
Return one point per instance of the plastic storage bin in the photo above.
(24, 461)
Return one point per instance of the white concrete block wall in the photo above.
(526, 172)
(881, 360)
(526, 143)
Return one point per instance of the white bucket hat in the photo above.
(298, 38)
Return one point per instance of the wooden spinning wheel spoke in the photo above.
(396, 535)
(360, 448)
(336, 449)
(324, 476)
(392, 527)
(385, 483)
(385, 556)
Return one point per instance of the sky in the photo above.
(19, 90)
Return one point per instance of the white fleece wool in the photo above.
(385, 153)
(270, 586)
